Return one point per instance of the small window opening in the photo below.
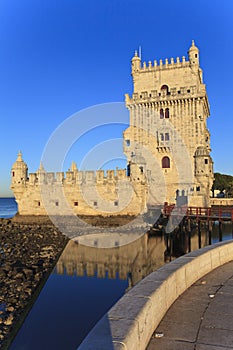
(206, 161)
(198, 188)
(13, 173)
(165, 88)
(57, 204)
(167, 113)
(167, 136)
(76, 204)
(116, 203)
(161, 113)
(165, 162)
(127, 143)
(95, 204)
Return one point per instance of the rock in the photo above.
(28, 252)
(9, 320)
(10, 309)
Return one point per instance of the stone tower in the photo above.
(19, 176)
(168, 132)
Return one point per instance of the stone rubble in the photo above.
(28, 253)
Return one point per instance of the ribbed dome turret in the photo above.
(19, 170)
(202, 151)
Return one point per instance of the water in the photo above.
(65, 310)
(8, 207)
(87, 281)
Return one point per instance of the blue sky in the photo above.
(61, 56)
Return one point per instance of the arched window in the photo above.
(164, 88)
(165, 162)
(167, 113)
(161, 113)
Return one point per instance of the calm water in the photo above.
(8, 207)
(87, 281)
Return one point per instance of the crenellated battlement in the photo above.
(76, 177)
(163, 64)
(166, 64)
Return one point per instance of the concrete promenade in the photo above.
(202, 317)
(199, 322)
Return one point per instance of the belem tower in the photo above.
(167, 145)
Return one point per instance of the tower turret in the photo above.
(136, 63)
(41, 173)
(19, 171)
(193, 54)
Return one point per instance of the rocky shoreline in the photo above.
(29, 250)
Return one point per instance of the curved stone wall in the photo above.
(130, 323)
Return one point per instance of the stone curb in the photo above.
(130, 323)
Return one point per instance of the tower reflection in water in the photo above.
(132, 261)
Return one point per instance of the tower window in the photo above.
(165, 88)
(75, 204)
(38, 203)
(161, 113)
(206, 161)
(127, 143)
(167, 113)
(57, 204)
(167, 138)
(195, 55)
(165, 162)
(95, 204)
(13, 173)
(161, 137)
(116, 203)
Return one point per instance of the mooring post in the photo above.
(189, 234)
(210, 225)
(199, 233)
(220, 231)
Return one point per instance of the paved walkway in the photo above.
(201, 318)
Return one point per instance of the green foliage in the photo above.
(223, 183)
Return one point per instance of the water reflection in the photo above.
(87, 281)
(132, 261)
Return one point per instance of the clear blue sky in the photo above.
(60, 56)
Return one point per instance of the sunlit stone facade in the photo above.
(167, 145)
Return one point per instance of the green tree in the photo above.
(223, 183)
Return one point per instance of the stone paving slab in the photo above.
(202, 317)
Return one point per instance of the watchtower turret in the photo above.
(19, 171)
(193, 54)
(136, 63)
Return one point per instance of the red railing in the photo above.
(220, 213)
